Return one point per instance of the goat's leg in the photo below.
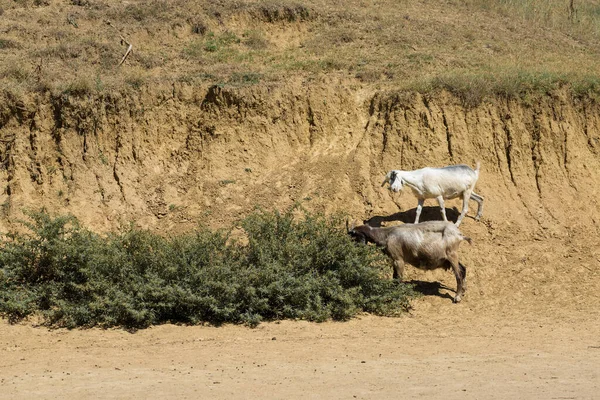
(440, 200)
(465, 208)
(399, 269)
(460, 274)
(479, 200)
(463, 272)
(419, 208)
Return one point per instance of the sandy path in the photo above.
(544, 354)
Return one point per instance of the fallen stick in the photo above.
(123, 40)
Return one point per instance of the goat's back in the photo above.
(450, 181)
(425, 245)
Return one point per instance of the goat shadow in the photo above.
(408, 217)
(431, 288)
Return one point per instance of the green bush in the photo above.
(286, 267)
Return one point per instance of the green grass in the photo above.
(473, 88)
(387, 44)
(294, 265)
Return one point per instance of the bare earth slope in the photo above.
(172, 153)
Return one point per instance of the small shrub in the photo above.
(291, 267)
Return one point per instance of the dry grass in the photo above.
(473, 48)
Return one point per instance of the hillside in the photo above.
(223, 106)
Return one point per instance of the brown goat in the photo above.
(428, 245)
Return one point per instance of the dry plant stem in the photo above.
(71, 20)
(123, 40)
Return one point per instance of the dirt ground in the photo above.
(440, 350)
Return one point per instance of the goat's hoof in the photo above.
(457, 299)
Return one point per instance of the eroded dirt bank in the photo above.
(172, 156)
(169, 158)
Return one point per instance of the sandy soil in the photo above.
(440, 350)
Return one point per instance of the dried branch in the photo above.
(123, 40)
(71, 20)
(572, 10)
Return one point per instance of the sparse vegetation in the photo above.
(304, 267)
(474, 48)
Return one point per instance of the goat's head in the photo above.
(356, 233)
(395, 180)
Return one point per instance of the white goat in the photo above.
(428, 245)
(439, 183)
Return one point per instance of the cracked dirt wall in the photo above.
(170, 157)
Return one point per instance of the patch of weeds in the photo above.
(79, 87)
(102, 157)
(226, 182)
(247, 78)
(135, 81)
(98, 83)
(368, 75)
(194, 49)
(16, 72)
(212, 43)
(255, 40)
(420, 59)
(216, 42)
(277, 12)
(587, 86)
(64, 51)
(249, 170)
(5, 208)
(9, 44)
(147, 10)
